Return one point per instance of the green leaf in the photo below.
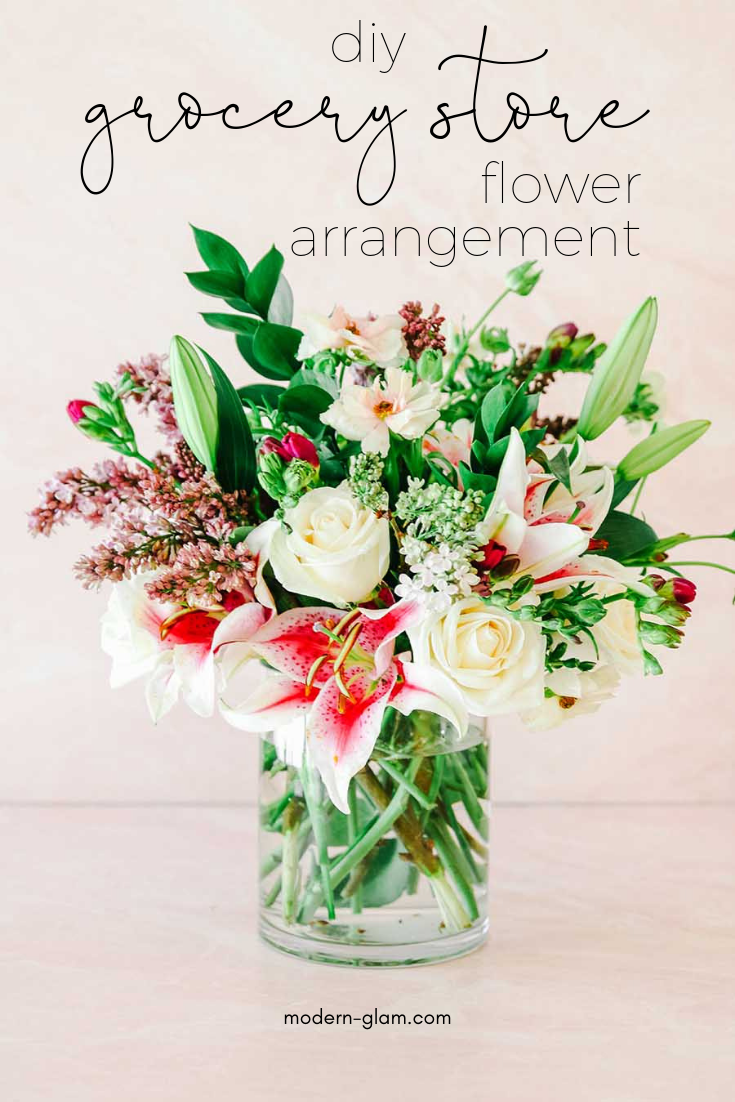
(621, 489)
(304, 404)
(222, 284)
(218, 254)
(244, 342)
(261, 394)
(517, 412)
(475, 480)
(233, 323)
(309, 376)
(262, 281)
(387, 877)
(235, 455)
(492, 408)
(559, 467)
(275, 348)
(625, 534)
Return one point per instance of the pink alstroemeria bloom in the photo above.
(176, 650)
(544, 525)
(340, 673)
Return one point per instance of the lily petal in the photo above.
(423, 688)
(381, 627)
(274, 702)
(548, 547)
(291, 644)
(341, 734)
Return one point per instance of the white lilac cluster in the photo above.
(440, 542)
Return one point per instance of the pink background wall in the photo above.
(92, 281)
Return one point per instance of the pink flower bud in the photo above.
(684, 591)
(75, 409)
(562, 335)
(292, 446)
(298, 447)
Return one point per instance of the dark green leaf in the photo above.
(261, 284)
(218, 254)
(304, 404)
(261, 394)
(492, 408)
(559, 467)
(621, 490)
(222, 284)
(626, 535)
(275, 348)
(235, 454)
(517, 412)
(244, 344)
(474, 480)
(233, 323)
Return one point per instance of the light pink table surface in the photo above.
(131, 968)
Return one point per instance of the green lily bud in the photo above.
(660, 635)
(494, 339)
(430, 366)
(521, 280)
(617, 372)
(195, 400)
(659, 449)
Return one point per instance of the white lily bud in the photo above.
(659, 449)
(195, 400)
(618, 371)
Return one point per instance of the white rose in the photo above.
(617, 634)
(495, 660)
(336, 550)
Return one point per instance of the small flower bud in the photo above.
(297, 446)
(494, 339)
(492, 555)
(521, 280)
(430, 366)
(559, 339)
(684, 591)
(76, 408)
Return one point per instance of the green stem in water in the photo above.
(352, 832)
(420, 797)
(313, 796)
(453, 862)
(469, 798)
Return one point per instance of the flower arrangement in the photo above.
(371, 552)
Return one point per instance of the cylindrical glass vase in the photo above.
(400, 880)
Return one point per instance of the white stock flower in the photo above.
(617, 634)
(575, 693)
(335, 550)
(394, 404)
(376, 339)
(495, 660)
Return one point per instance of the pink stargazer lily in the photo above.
(340, 673)
(545, 526)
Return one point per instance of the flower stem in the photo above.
(352, 830)
(313, 796)
(453, 861)
(462, 352)
(691, 562)
(470, 800)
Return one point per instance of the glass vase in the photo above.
(402, 879)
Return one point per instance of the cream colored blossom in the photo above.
(377, 339)
(393, 404)
(495, 660)
(331, 547)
